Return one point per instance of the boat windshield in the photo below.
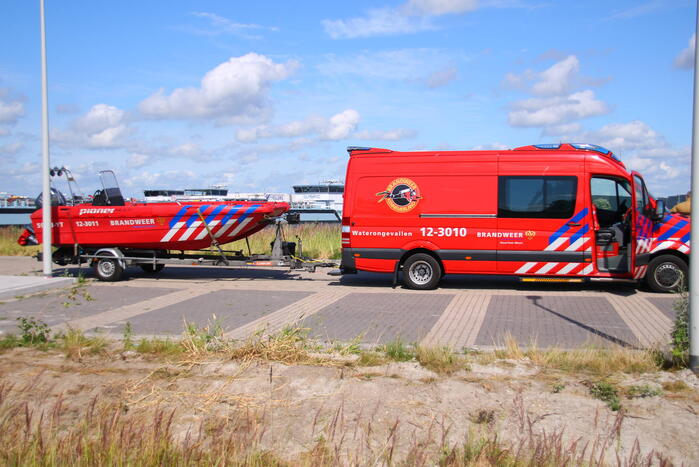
(111, 194)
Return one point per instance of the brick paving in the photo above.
(378, 318)
(665, 305)
(230, 309)
(466, 312)
(553, 321)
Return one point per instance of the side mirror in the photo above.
(659, 209)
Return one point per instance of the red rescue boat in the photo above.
(110, 221)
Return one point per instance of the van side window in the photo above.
(537, 197)
(612, 198)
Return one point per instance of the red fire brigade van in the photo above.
(554, 212)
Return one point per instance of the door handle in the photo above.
(573, 224)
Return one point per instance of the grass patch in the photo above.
(441, 360)
(288, 346)
(370, 358)
(159, 347)
(9, 245)
(592, 360)
(680, 331)
(606, 392)
(397, 350)
(76, 344)
(10, 341)
(635, 392)
(675, 386)
(321, 241)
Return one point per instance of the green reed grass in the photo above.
(320, 241)
(9, 245)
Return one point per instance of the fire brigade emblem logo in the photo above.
(401, 195)
(530, 234)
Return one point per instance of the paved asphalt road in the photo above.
(463, 312)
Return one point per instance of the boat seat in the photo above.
(108, 197)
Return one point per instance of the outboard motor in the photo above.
(57, 199)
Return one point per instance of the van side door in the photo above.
(642, 226)
(543, 224)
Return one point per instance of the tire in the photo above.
(108, 269)
(152, 268)
(666, 273)
(421, 272)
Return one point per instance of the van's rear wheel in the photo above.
(108, 269)
(666, 273)
(422, 272)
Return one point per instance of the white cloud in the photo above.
(102, 127)
(377, 22)
(189, 150)
(685, 59)
(619, 137)
(337, 127)
(548, 111)
(407, 18)
(562, 129)
(557, 80)
(235, 91)
(441, 7)
(491, 147)
(10, 149)
(136, 160)
(341, 125)
(387, 135)
(556, 105)
(169, 179)
(426, 66)
(219, 25)
(441, 77)
(11, 109)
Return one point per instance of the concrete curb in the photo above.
(12, 286)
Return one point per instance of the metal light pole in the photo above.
(46, 192)
(694, 264)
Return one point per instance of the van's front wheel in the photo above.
(666, 273)
(421, 272)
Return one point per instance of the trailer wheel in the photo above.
(666, 273)
(108, 269)
(421, 272)
(152, 268)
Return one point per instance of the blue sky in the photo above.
(263, 95)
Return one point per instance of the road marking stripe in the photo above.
(289, 315)
(459, 324)
(135, 309)
(650, 326)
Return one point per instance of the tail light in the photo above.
(346, 231)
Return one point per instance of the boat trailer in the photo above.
(111, 262)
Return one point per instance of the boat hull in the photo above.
(161, 226)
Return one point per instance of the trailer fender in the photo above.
(112, 252)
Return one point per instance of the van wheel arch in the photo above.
(410, 253)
